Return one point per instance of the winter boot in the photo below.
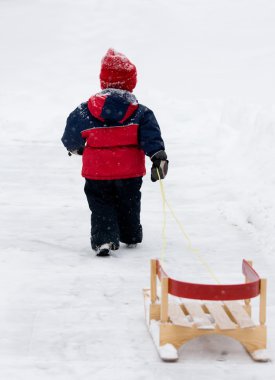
(103, 250)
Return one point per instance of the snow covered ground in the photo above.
(206, 67)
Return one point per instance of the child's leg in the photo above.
(128, 208)
(101, 199)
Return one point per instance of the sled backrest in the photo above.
(214, 292)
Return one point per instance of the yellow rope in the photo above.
(190, 245)
(164, 219)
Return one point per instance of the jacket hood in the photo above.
(112, 105)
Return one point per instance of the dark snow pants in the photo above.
(115, 207)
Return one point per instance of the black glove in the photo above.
(160, 166)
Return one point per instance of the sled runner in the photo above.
(225, 310)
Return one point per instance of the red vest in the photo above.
(112, 153)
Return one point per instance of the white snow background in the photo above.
(206, 68)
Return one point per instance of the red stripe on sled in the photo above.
(215, 292)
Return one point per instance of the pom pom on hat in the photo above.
(117, 71)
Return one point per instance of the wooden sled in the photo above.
(226, 310)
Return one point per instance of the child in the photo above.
(114, 132)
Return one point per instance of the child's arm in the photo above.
(152, 144)
(150, 134)
(72, 138)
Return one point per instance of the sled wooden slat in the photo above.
(239, 314)
(177, 316)
(200, 319)
(222, 320)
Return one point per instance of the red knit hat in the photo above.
(117, 71)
